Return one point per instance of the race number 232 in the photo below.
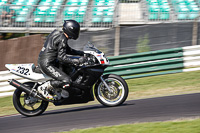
(22, 70)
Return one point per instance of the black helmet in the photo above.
(71, 28)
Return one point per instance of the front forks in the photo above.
(107, 86)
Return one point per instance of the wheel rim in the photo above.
(29, 103)
(117, 91)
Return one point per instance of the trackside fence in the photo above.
(137, 65)
(156, 62)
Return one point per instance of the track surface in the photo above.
(144, 110)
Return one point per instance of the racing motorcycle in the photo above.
(88, 80)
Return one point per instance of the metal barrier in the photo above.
(136, 65)
(5, 88)
(155, 63)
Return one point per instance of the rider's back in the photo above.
(50, 50)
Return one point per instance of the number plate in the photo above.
(23, 70)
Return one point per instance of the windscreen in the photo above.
(90, 47)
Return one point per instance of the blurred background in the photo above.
(117, 27)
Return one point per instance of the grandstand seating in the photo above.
(185, 9)
(158, 9)
(96, 11)
(75, 9)
(103, 11)
(45, 12)
(22, 11)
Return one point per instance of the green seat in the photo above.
(71, 9)
(153, 16)
(179, 1)
(183, 9)
(108, 12)
(50, 19)
(20, 19)
(60, 1)
(98, 9)
(193, 15)
(39, 19)
(68, 16)
(83, 3)
(164, 8)
(110, 3)
(154, 8)
(99, 3)
(39, 13)
(97, 13)
(162, 1)
(190, 2)
(72, 3)
(182, 15)
(164, 12)
(164, 16)
(108, 16)
(52, 11)
(96, 19)
(107, 19)
(79, 19)
(152, 2)
(193, 8)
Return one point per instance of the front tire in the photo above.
(28, 105)
(119, 89)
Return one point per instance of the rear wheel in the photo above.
(28, 105)
(119, 89)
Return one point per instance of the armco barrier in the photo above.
(5, 88)
(136, 65)
(155, 63)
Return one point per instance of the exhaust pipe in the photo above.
(24, 88)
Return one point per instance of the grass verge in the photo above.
(179, 126)
(163, 85)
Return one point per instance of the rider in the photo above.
(56, 49)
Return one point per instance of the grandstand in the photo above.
(34, 15)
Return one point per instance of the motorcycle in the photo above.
(110, 89)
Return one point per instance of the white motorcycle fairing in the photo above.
(26, 71)
(99, 56)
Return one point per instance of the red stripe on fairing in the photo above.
(102, 62)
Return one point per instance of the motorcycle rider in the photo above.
(56, 49)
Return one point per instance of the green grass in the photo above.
(186, 126)
(163, 85)
(6, 106)
(171, 84)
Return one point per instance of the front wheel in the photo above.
(118, 94)
(28, 105)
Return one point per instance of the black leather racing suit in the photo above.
(56, 48)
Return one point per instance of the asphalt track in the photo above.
(144, 110)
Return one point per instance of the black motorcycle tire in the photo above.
(119, 79)
(19, 107)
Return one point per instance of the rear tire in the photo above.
(33, 108)
(119, 87)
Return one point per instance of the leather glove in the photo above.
(82, 60)
(75, 61)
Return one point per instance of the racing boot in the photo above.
(44, 90)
